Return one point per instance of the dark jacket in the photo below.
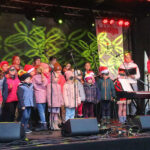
(106, 88)
(91, 93)
(4, 89)
(25, 95)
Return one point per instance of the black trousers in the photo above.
(106, 108)
(8, 111)
(88, 109)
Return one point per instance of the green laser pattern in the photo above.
(30, 42)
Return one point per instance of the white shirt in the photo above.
(129, 66)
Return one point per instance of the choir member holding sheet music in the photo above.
(132, 74)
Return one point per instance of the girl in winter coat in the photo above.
(26, 99)
(122, 102)
(55, 101)
(61, 81)
(71, 96)
(10, 104)
(79, 82)
(90, 96)
(40, 87)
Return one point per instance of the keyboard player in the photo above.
(132, 74)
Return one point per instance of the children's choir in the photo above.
(62, 93)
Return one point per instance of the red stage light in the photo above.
(112, 21)
(126, 23)
(105, 21)
(120, 22)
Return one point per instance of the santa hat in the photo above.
(3, 63)
(22, 75)
(68, 74)
(90, 72)
(87, 77)
(28, 68)
(57, 67)
(103, 70)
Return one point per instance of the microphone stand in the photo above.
(94, 60)
(95, 64)
(76, 112)
(51, 117)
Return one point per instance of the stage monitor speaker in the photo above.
(77, 127)
(10, 131)
(143, 122)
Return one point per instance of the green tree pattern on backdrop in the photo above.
(37, 41)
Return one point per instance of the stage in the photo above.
(111, 137)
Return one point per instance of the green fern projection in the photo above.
(28, 42)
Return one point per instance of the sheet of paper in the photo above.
(126, 85)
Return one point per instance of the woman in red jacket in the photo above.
(12, 99)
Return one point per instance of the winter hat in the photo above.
(57, 67)
(28, 68)
(22, 75)
(90, 72)
(87, 77)
(68, 74)
(3, 63)
(103, 70)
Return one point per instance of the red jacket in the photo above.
(118, 88)
(12, 89)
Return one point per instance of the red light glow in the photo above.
(105, 21)
(112, 21)
(126, 23)
(120, 22)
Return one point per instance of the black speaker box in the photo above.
(144, 122)
(10, 131)
(77, 127)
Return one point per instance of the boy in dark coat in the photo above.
(107, 92)
(25, 95)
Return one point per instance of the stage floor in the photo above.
(113, 134)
